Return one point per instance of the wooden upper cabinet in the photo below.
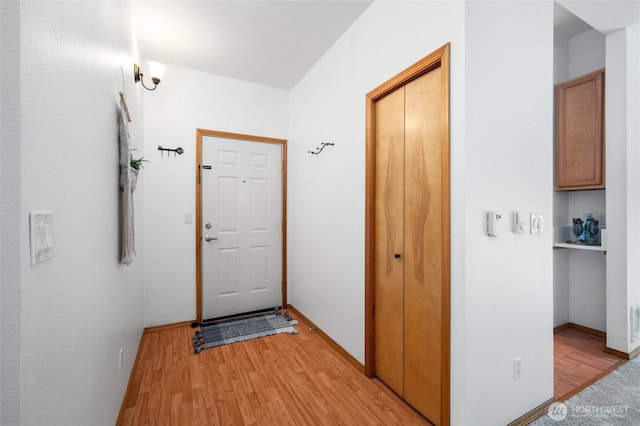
(580, 133)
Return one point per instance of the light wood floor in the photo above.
(276, 380)
(579, 361)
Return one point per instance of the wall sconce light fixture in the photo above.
(156, 70)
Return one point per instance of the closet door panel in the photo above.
(389, 206)
(423, 244)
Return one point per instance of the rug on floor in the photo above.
(612, 400)
(238, 329)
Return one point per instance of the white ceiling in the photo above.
(568, 24)
(276, 42)
(268, 42)
(605, 16)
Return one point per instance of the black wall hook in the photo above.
(175, 151)
(319, 149)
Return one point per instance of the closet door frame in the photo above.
(439, 58)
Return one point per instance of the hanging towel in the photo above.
(128, 254)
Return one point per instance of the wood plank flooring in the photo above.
(579, 361)
(276, 380)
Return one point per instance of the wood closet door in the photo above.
(423, 252)
(408, 243)
(389, 237)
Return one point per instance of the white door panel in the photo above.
(242, 208)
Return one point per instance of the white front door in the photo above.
(241, 226)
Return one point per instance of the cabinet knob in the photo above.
(397, 255)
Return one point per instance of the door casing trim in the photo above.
(200, 133)
(438, 58)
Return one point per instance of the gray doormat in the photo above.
(239, 329)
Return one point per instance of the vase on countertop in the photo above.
(593, 229)
(577, 228)
(587, 221)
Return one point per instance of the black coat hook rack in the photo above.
(175, 151)
(320, 148)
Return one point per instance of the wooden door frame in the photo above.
(200, 133)
(439, 58)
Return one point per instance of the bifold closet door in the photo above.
(423, 236)
(408, 242)
(389, 237)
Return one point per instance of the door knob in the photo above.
(208, 238)
(397, 255)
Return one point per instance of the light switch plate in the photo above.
(536, 223)
(41, 236)
(519, 223)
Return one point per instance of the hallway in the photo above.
(274, 380)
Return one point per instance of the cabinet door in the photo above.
(579, 133)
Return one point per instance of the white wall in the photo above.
(509, 288)
(560, 58)
(633, 134)
(587, 271)
(184, 101)
(82, 306)
(560, 201)
(9, 213)
(586, 53)
(623, 183)
(326, 206)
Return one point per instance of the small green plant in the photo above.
(136, 163)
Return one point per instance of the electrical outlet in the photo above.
(517, 368)
(121, 359)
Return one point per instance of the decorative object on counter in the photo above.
(577, 228)
(586, 232)
(320, 148)
(587, 221)
(175, 151)
(593, 229)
